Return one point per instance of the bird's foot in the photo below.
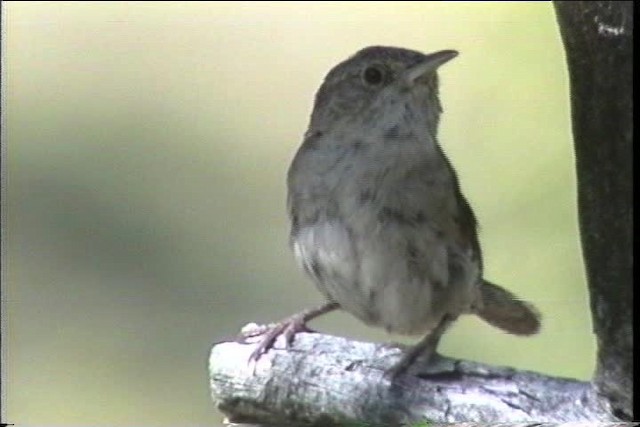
(407, 361)
(424, 350)
(288, 327)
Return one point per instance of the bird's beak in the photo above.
(429, 65)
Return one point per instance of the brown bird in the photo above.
(378, 220)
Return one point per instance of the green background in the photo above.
(147, 146)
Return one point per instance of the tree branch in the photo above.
(326, 380)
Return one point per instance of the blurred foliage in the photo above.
(147, 150)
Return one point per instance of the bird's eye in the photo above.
(374, 75)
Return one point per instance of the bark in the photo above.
(329, 381)
(598, 39)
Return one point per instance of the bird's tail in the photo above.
(504, 310)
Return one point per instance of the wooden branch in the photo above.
(598, 37)
(326, 380)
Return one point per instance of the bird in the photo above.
(378, 219)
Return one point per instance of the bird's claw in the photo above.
(287, 328)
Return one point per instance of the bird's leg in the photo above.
(426, 348)
(288, 327)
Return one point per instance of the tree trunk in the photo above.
(598, 39)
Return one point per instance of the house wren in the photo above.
(378, 220)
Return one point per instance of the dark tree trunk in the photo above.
(598, 38)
